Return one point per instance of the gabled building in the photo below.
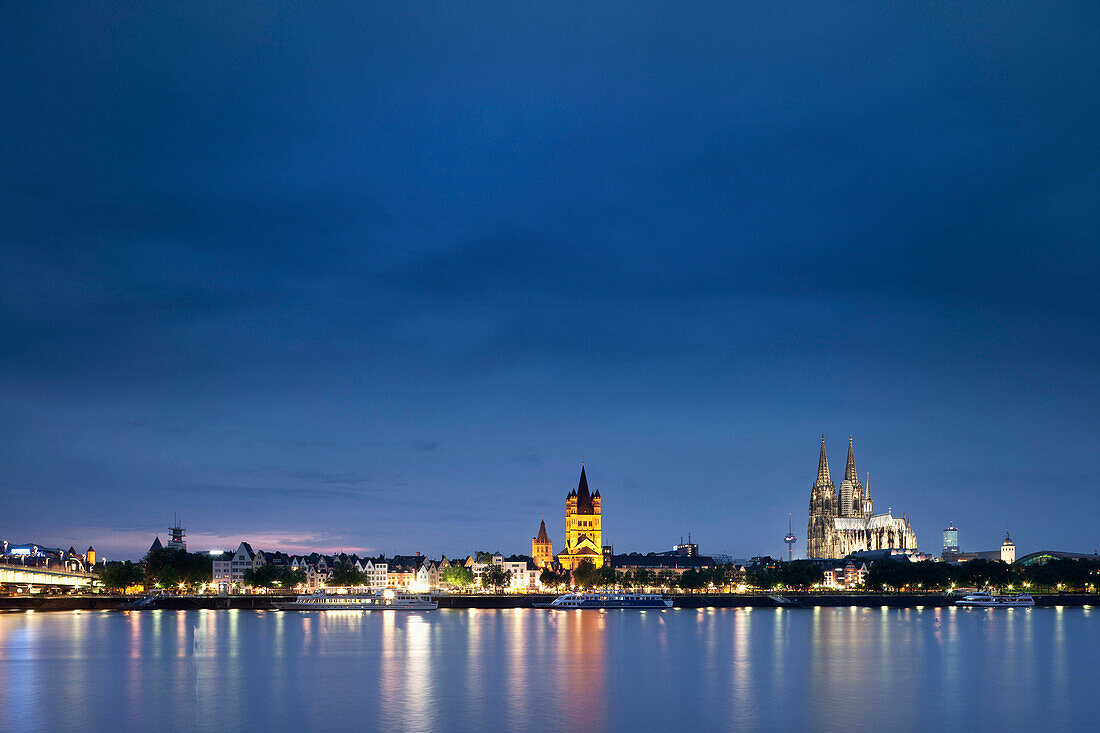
(243, 559)
(845, 575)
(316, 578)
(378, 571)
(402, 570)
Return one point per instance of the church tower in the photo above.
(583, 531)
(1008, 550)
(541, 548)
(851, 491)
(821, 530)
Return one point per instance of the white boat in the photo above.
(387, 600)
(608, 599)
(987, 600)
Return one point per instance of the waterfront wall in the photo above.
(713, 600)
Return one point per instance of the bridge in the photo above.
(22, 575)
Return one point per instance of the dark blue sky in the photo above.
(376, 276)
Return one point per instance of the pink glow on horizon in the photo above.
(124, 544)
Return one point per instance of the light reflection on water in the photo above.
(520, 669)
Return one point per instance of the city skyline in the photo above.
(303, 544)
(376, 278)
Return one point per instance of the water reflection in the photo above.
(739, 669)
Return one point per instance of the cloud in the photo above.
(315, 476)
(273, 492)
(528, 457)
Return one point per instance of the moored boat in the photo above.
(988, 600)
(608, 599)
(387, 600)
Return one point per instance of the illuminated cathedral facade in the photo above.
(844, 521)
(583, 531)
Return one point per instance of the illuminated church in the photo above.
(844, 521)
(583, 534)
(542, 550)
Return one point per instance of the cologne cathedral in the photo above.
(844, 521)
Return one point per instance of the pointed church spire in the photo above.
(543, 537)
(850, 469)
(584, 496)
(823, 466)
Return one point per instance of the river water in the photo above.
(683, 669)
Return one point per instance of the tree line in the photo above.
(1054, 575)
(165, 568)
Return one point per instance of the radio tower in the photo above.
(790, 539)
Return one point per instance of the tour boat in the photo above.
(608, 599)
(987, 600)
(387, 600)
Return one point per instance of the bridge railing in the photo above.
(47, 571)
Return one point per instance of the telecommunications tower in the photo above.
(790, 539)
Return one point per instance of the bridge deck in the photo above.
(23, 575)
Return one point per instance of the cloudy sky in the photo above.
(376, 276)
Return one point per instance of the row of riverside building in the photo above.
(409, 572)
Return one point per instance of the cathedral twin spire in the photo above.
(840, 518)
(849, 500)
(850, 469)
(823, 467)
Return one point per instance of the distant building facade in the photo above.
(1042, 557)
(950, 540)
(845, 576)
(843, 521)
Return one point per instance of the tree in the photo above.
(169, 568)
(800, 574)
(458, 576)
(552, 579)
(264, 576)
(729, 575)
(292, 578)
(762, 577)
(980, 573)
(274, 576)
(667, 579)
(691, 579)
(643, 578)
(1063, 573)
(483, 556)
(346, 575)
(120, 575)
(606, 577)
(585, 574)
(496, 577)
